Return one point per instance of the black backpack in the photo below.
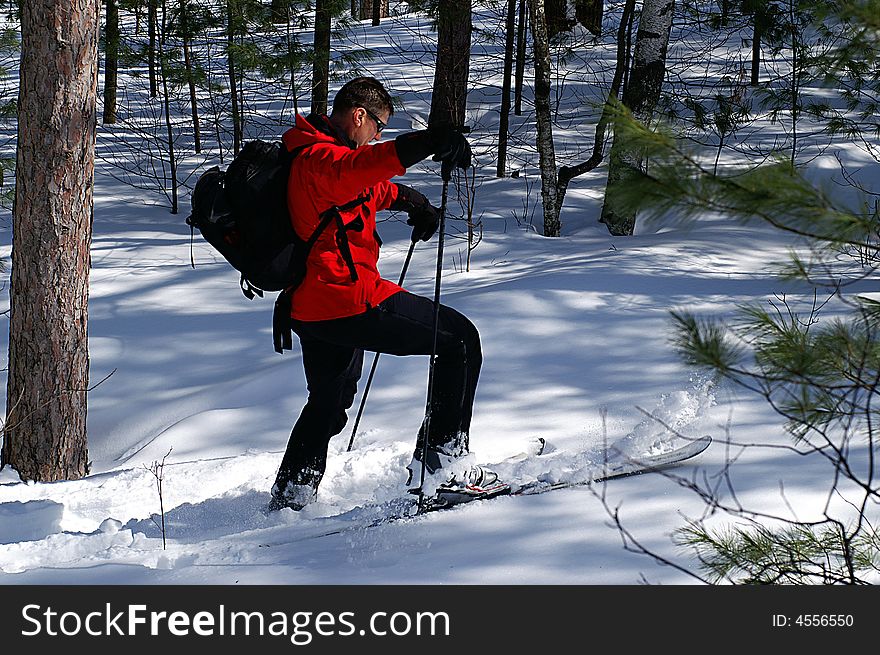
(242, 212)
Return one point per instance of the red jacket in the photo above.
(330, 172)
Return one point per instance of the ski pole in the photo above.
(357, 419)
(446, 173)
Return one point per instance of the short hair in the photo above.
(366, 92)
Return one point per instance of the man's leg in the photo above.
(403, 325)
(332, 372)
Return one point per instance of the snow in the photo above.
(576, 345)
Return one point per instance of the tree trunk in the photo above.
(568, 173)
(520, 58)
(380, 11)
(510, 32)
(756, 51)
(166, 103)
(641, 96)
(375, 10)
(546, 151)
(556, 17)
(449, 99)
(190, 75)
(321, 65)
(152, 20)
(237, 132)
(725, 12)
(278, 11)
(111, 61)
(45, 432)
(589, 14)
(292, 43)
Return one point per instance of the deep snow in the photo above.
(575, 333)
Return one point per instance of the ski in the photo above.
(623, 466)
(619, 465)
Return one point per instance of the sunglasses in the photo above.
(379, 123)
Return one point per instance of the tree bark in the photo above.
(111, 61)
(44, 436)
(568, 173)
(641, 96)
(372, 9)
(152, 20)
(504, 122)
(237, 131)
(321, 65)
(520, 57)
(556, 17)
(589, 14)
(546, 151)
(166, 104)
(380, 11)
(756, 51)
(190, 74)
(449, 99)
(725, 12)
(278, 11)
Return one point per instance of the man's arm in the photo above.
(340, 174)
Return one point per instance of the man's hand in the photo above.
(450, 148)
(445, 142)
(425, 221)
(423, 216)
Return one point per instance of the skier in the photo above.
(344, 307)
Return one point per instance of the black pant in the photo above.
(333, 355)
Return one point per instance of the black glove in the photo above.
(444, 142)
(451, 148)
(424, 217)
(425, 222)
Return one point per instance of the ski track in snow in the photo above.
(219, 526)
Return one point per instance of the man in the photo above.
(344, 307)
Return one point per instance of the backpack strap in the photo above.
(282, 334)
(282, 337)
(342, 232)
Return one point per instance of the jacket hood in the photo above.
(314, 129)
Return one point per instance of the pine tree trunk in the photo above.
(725, 12)
(45, 432)
(237, 131)
(375, 10)
(152, 20)
(510, 33)
(641, 96)
(589, 14)
(546, 151)
(278, 11)
(190, 75)
(449, 99)
(166, 104)
(291, 38)
(520, 58)
(380, 11)
(321, 65)
(556, 17)
(568, 173)
(111, 61)
(756, 51)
